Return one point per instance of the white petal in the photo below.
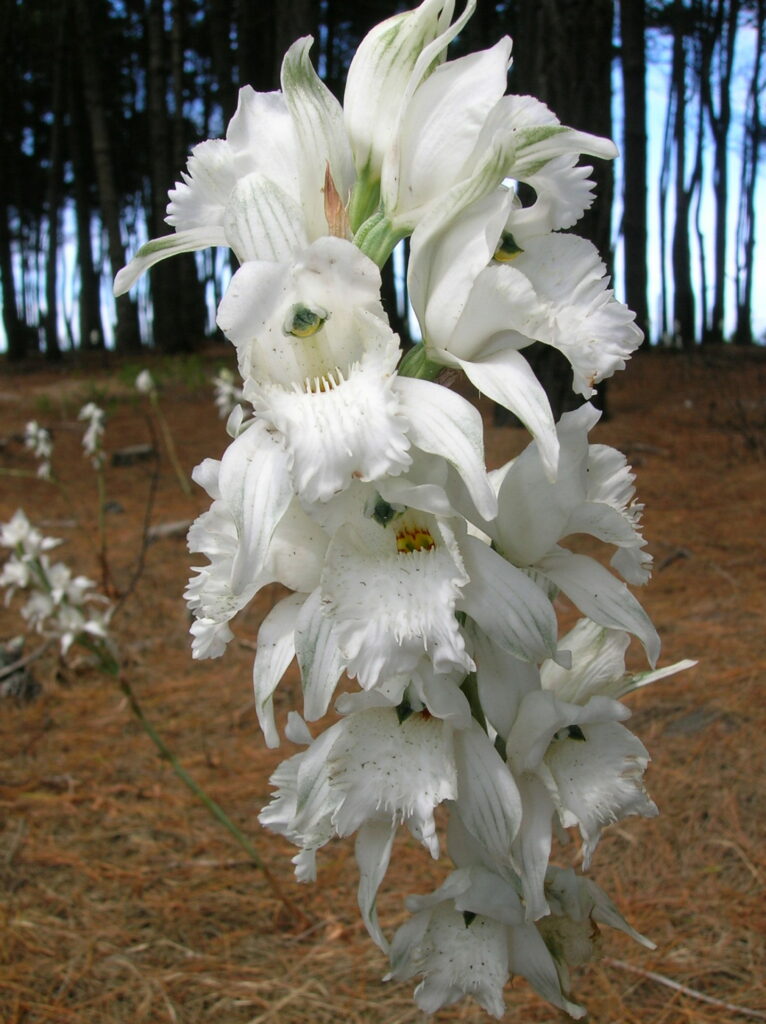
(161, 248)
(595, 332)
(441, 126)
(488, 800)
(385, 69)
(502, 680)
(505, 376)
(373, 852)
(601, 597)
(320, 660)
(391, 607)
(340, 430)
(507, 605)
(263, 222)
(530, 957)
(444, 424)
(318, 119)
(599, 779)
(274, 652)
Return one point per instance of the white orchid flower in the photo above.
(580, 763)
(592, 494)
(467, 939)
(260, 190)
(477, 310)
(318, 360)
(376, 769)
(254, 533)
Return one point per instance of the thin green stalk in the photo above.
(214, 808)
(170, 447)
(110, 665)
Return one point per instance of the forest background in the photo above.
(102, 102)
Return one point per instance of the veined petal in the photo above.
(380, 77)
(373, 853)
(505, 376)
(506, 604)
(263, 222)
(530, 957)
(502, 679)
(447, 254)
(488, 800)
(320, 660)
(440, 127)
(274, 652)
(318, 119)
(600, 596)
(161, 248)
(444, 424)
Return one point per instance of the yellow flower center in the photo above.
(414, 538)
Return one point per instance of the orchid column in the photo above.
(421, 584)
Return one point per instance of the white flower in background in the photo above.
(19, 534)
(39, 441)
(227, 392)
(480, 300)
(59, 605)
(92, 440)
(145, 383)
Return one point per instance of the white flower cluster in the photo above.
(93, 438)
(39, 441)
(59, 605)
(359, 483)
(227, 392)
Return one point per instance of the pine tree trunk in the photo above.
(633, 52)
(127, 337)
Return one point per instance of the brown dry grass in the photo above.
(122, 901)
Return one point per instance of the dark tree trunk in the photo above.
(723, 28)
(127, 337)
(683, 292)
(566, 43)
(88, 298)
(633, 53)
(54, 186)
(753, 140)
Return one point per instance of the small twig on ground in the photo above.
(684, 989)
(8, 670)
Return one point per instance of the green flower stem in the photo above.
(416, 363)
(377, 237)
(364, 200)
(170, 447)
(108, 663)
